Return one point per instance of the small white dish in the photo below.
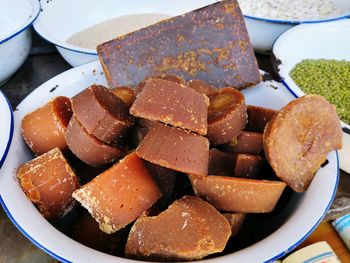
(6, 131)
(293, 224)
(264, 31)
(52, 27)
(16, 17)
(328, 41)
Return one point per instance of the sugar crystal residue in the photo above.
(110, 29)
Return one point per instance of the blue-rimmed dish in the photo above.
(6, 131)
(264, 31)
(287, 228)
(16, 18)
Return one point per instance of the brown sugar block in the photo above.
(165, 179)
(201, 86)
(220, 163)
(298, 139)
(227, 115)
(168, 77)
(89, 149)
(246, 142)
(258, 117)
(171, 103)
(87, 232)
(234, 194)
(120, 194)
(210, 44)
(175, 149)
(248, 165)
(236, 221)
(102, 113)
(49, 181)
(139, 131)
(44, 128)
(189, 229)
(126, 94)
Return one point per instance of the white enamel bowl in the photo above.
(297, 218)
(16, 17)
(328, 41)
(264, 31)
(59, 20)
(6, 131)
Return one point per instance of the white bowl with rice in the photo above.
(266, 20)
(76, 27)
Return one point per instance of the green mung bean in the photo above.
(328, 78)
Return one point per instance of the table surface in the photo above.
(44, 63)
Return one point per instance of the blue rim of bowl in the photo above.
(291, 248)
(33, 17)
(297, 22)
(2, 160)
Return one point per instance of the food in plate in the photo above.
(155, 164)
(189, 229)
(172, 103)
(49, 181)
(290, 10)
(227, 115)
(44, 128)
(326, 77)
(298, 139)
(246, 142)
(234, 194)
(175, 149)
(109, 29)
(210, 44)
(102, 114)
(120, 194)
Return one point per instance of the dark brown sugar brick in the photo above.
(49, 181)
(201, 86)
(175, 149)
(227, 116)
(126, 94)
(258, 117)
(171, 103)
(210, 44)
(120, 194)
(246, 142)
(234, 194)
(89, 149)
(87, 232)
(102, 113)
(248, 165)
(298, 139)
(220, 163)
(44, 128)
(189, 229)
(165, 179)
(236, 221)
(168, 77)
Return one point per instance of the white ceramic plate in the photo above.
(297, 219)
(6, 130)
(82, 14)
(328, 41)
